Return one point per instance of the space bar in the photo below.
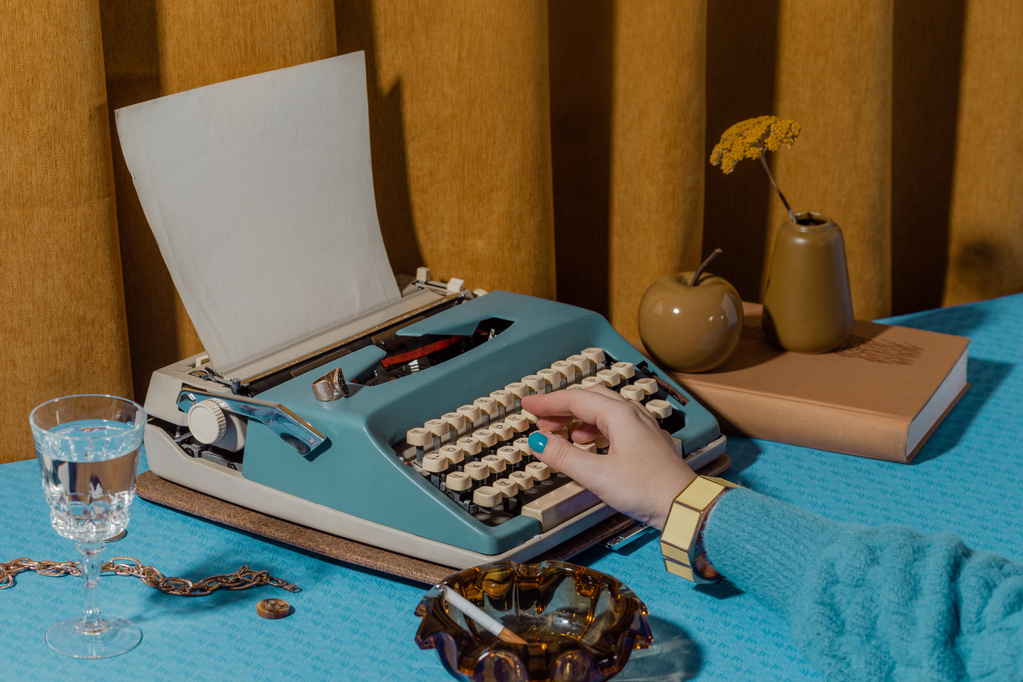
(560, 505)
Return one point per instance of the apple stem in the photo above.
(703, 266)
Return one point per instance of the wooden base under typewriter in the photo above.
(155, 489)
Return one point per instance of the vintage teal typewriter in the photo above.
(405, 431)
(331, 393)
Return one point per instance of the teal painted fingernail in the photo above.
(537, 441)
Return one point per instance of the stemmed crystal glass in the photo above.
(88, 450)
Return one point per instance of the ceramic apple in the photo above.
(691, 321)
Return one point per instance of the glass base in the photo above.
(117, 637)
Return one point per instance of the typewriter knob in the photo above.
(207, 421)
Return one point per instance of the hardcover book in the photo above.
(879, 395)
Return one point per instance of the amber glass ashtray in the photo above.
(579, 625)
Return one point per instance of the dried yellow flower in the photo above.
(749, 139)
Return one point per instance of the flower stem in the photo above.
(703, 266)
(777, 189)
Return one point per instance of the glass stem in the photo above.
(92, 566)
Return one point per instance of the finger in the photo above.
(554, 424)
(586, 433)
(571, 429)
(567, 430)
(563, 456)
(588, 405)
(605, 391)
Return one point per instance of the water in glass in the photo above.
(88, 469)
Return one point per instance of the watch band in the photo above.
(680, 540)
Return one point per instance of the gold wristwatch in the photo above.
(680, 540)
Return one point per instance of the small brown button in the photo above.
(273, 608)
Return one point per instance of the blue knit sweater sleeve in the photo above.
(873, 603)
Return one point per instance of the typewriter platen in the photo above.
(403, 430)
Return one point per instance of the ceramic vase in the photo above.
(807, 304)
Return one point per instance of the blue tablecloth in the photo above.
(352, 624)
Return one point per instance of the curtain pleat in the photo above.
(558, 149)
(657, 161)
(460, 125)
(985, 239)
(62, 327)
(834, 77)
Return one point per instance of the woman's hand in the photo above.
(641, 473)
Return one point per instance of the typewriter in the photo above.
(403, 428)
(330, 395)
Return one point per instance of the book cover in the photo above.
(879, 395)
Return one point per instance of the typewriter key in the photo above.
(517, 422)
(522, 479)
(633, 392)
(510, 454)
(517, 389)
(661, 409)
(488, 406)
(478, 472)
(470, 445)
(458, 481)
(495, 464)
(567, 370)
(522, 444)
(534, 383)
(648, 385)
(625, 369)
(552, 379)
(581, 363)
(507, 487)
(594, 355)
(486, 437)
(503, 430)
(472, 415)
(456, 421)
(454, 454)
(488, 497)
(538, 470)
(436, 463)
(505, 401)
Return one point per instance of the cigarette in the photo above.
(485, 621)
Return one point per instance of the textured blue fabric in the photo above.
(352, 624)
(873, 603)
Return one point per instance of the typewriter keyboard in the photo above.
(478, 454)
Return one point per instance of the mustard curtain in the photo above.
(554, 148)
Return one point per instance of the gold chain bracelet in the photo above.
(242, 579)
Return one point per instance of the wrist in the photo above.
(666, 498)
